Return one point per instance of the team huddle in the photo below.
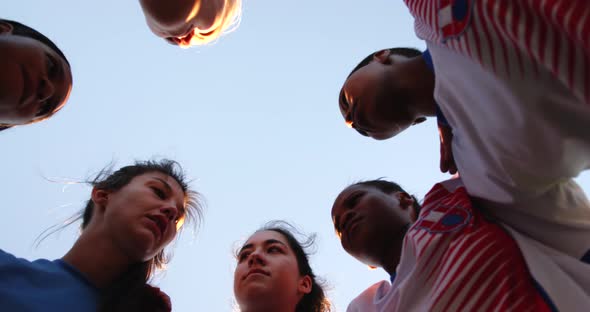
(509, 85)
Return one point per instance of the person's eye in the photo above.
(45, 108)
(354, 115)
(242, 256)
(343, 102)
(354, 199)
(274, 249)
(354, 122)
(51, 64)
(159, 192)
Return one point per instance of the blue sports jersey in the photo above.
(43, 285)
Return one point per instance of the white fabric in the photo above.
(517, 144)
(562, 277)
(365, 302)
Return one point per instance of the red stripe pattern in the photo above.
(514, 38)
(464, 262)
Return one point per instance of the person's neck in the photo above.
(390, 262)
(391, 258)
(267, 306)
(97, 258)
(422, 85)
(265, 309)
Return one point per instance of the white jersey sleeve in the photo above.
(365, 302)
(517, 145)
(513, 81)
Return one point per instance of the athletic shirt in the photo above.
(44, 285)
(514, 37)
(512, 79)
(453, 259)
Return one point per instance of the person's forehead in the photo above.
(351, 85)
(348, 191)
(65, 68)
(162, 178)
(359, 81)
(352, 188)
(344, 194)
(262, 237)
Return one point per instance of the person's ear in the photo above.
(382, 56)
(5, 28)
(406, 201)
(305, 284)
(419, 120)
(100, 198)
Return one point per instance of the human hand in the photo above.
(447, 161)
(156, 300)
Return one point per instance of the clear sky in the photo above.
(253, 119)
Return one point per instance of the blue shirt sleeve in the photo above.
(442, 120)
(428, 59)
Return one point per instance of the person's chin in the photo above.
(257, 288)
(148, 249)
(382, 136)
(145, 245)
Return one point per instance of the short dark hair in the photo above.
(389, 187)
(316, 300)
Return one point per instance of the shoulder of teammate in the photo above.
(365, 301)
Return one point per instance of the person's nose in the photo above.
(170, 211)
(256, 258)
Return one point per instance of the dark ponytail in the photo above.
(131, 292)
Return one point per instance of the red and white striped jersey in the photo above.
(520, 133)
(453, 259)
(514, 37)
(513, 80)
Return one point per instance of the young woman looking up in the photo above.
(274, 274)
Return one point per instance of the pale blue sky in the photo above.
(253, 119)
